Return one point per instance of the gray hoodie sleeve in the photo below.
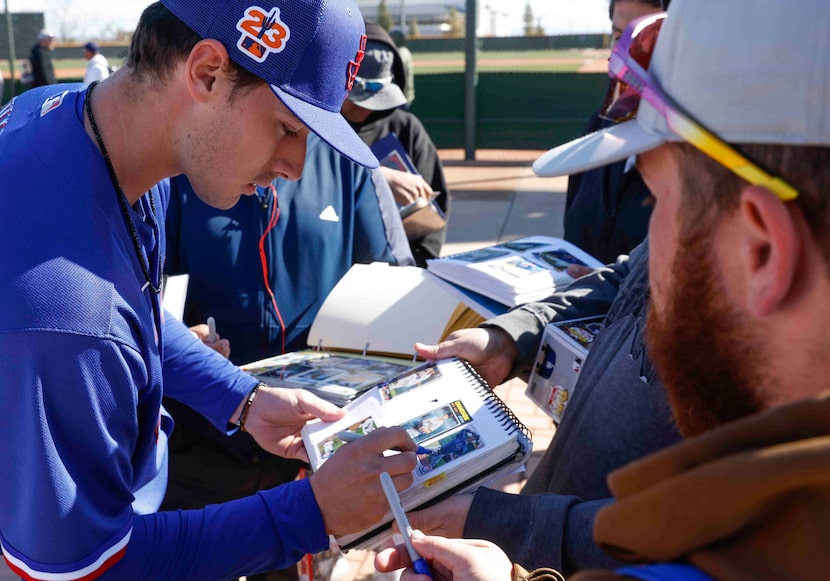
(588, 296)
(547, 539)
(614, 417)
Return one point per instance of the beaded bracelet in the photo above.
(244, 415)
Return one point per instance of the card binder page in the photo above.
(467, 435)
(338, 377)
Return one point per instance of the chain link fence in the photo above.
(18, 34)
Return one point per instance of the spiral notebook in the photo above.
(471, 436)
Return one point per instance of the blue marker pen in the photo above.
(347, 437)
(418, 562)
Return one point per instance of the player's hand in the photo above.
(347, 486)
(490, 350)
(449, 559)
(278, 414)
(221, 346)
(406, 187)
(446, 518)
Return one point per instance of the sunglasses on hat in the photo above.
(373, 85)
(628, 67)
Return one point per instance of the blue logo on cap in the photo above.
(262, 33)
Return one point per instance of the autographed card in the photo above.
(437, 421)
(416, 377)
(328, 446)
(448, 449)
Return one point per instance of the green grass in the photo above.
(506, 54)
(531, 61)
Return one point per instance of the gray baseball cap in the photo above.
(749, 74)
(374, 87)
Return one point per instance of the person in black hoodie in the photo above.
(43, 71)
(373, 108)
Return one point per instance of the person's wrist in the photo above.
(246, 407)
(502, 344)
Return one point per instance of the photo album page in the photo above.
(466, 435)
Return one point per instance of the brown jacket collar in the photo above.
(749, 500)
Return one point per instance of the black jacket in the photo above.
(607, 209)
(416, 141)
(43, 71)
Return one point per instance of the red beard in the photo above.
(703, 350)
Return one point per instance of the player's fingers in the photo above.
(317, 407)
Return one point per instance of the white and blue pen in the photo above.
(418, 562)
(211, 323)
(347, 437)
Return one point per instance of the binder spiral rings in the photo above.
(495, 404)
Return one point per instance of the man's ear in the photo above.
(205, 68)
(770, 249)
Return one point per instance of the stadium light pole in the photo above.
(470, 81)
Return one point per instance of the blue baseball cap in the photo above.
(308, 51)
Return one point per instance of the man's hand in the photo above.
(406, 187)
(446, 518)
(490, 350)
(221, 346)
(347, 486)
(277, 415)
(450, 560)
(579, 270)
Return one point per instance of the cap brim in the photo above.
(389, 97)
(331, 127)
(597, 149)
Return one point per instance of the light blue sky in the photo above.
(90, 18)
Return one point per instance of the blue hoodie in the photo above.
(337, 214)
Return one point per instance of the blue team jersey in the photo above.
(84, 354)
(334, 216)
